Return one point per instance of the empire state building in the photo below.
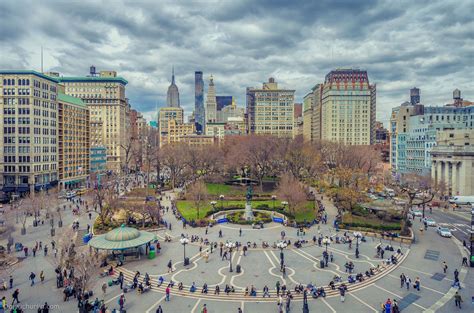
(172, 97)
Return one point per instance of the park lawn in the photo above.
(369, 223)
(189, 212)
(219, 189)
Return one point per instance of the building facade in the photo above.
(211, 104)
(165, 115)
(29, 131)
(199, 140)
(414, 130)
(98, 159)
(270, 110)
(73, 142)
(177, 130)
(348, 105)
(452, 161)
(104, 94)
(199, 111)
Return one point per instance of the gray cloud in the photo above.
(401, 44)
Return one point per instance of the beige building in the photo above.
(348, 104)
(312, 114)
(177, 131)
(104, 95)
(29, 131)
(73, 142)
(270, 110)
(165, 115)
(216, 130)
(452, 161)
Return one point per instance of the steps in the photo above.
(239, 295)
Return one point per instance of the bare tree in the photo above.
(290, 190)
(198, 194)
(127, 147)
(173, 159)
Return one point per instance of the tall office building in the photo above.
(348, 107)
(199, 112)
(73, 142)
(104, 94)
(270, 110)
(29, 131)
(172, 96)
(211, 104)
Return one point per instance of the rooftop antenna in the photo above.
(41, 58)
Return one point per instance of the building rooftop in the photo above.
(66, 98)
(72, 79)
(28, 72)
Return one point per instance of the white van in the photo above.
(458, 200)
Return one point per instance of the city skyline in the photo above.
(240, 46)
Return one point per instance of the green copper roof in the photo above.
(28, 72)
(122, 238)
(66, 98)
(72, 79)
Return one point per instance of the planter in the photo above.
(23, 231)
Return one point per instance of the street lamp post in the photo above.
(184, 241)
(274, 198)
(230, 245)
(357, 235)
(326, 241)
(221, 197)
(282, 245)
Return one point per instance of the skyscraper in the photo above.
(199, 111)
(211, 104)
(172, 97)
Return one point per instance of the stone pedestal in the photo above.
(248, 214)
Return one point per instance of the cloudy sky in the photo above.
(428, 44)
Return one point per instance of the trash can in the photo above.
(151, 254)
(321, 263)
(186, 261)
(238, 269)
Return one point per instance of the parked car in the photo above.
(444, 232)
(430, 222)
(416, 213)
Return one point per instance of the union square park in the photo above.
(223, 231)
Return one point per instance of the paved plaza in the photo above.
(261, 266)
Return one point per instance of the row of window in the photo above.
(11, 82)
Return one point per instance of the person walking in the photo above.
(342, 292)
(220, 233)
(278, 287)
(170, 267)
(42, 276)
(239, 310)
(168, 291)
(104, 289)
(417, 283)
(120, 278)
(240, 235)
(265, 292)
(402, 280)
(11, 282)
(408, 282)
(457, 299)
(15, 296)
(204, 308)
(159, 309)
(445, 267)
(464, 261)
(121, 302)
(32, 278)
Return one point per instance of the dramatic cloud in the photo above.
(428, 44)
